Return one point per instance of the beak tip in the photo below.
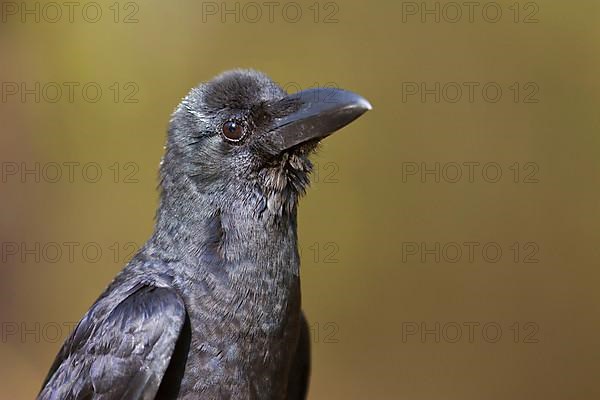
(364, 104)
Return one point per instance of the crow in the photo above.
(209, 308)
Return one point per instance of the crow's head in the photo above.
(242, 134)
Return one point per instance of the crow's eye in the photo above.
(233, 131)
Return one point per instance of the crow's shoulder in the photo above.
(122, 346)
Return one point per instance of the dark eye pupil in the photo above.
(232, 130)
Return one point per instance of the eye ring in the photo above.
(233, 131)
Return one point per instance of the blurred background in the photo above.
(450, 238)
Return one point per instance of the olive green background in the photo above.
(362, 291)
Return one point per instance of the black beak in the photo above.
(318, 113)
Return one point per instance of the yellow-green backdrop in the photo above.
(449, 241)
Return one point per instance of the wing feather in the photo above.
(119, 352)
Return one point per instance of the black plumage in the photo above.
(209, 308)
